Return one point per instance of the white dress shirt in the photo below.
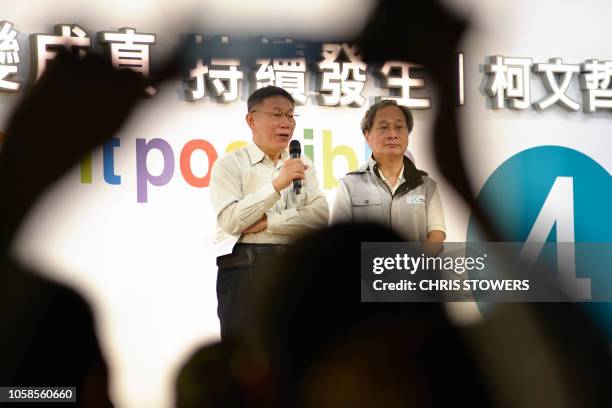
(241, 192)
(400, 180)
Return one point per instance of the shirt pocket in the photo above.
(366, 208)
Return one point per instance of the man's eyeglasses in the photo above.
(279, 115)
(384, 129)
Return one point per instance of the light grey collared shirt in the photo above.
(241, 192)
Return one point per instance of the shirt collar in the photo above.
(256, 155)
(400, 177)
(410, 173)
(371, 163)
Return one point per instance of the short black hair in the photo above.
(368, 119)
(267, 92)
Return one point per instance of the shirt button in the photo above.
(367, 201)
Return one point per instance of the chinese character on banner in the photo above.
(225, 81)
(129, 49)
(595, 84)
(46, 45)
(197, 75)
(9, 56)
(509, 79)
(403, 83)
(289, 74)
(556, 89)
(342, 82)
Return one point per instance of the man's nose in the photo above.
(393, 134)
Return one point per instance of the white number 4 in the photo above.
(558, 209)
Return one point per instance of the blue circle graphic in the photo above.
(514, 194)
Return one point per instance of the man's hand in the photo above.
(260, 225)
(292, 169)
(436, 236)
(435, 243)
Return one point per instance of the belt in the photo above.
(261, 248)
(244, 255)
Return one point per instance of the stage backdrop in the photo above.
(131, 228)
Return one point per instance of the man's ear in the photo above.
(366, 136)
(250, 120)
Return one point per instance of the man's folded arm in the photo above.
(295, 220)
(313, 214)
(236, 212)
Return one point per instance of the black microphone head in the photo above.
(295, 148)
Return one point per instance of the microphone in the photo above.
(295, 150)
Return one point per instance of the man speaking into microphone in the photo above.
(264, 196)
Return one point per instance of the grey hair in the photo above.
(368, 119)
(267, 92)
